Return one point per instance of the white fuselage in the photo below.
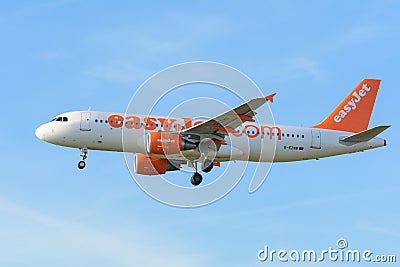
(93, 130)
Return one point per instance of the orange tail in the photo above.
(353, 114)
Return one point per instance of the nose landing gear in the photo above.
(82, 163)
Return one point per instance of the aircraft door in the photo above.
(85, 121)
(316, 138)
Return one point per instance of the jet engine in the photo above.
(149, 165)
(167, 143)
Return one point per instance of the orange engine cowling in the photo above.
(149, 165)
(167, 143)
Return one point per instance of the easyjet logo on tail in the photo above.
(354, 112)
(352, 104)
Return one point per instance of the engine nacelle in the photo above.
(149, 165)
(167, 143)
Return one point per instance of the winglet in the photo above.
(270, 98)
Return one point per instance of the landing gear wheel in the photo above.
(196, 179)
(81, 164)
(207, 165)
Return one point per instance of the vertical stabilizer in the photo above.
(354, 113)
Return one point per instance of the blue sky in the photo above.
(58, 56)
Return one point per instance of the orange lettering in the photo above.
(116, 121)
(251, 135)
(188, 122)
(167, 125)
(197, 123)
(150, 123)
(271, 130)
(132, 122)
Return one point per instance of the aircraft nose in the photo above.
(40, 132)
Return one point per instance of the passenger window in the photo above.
(292, 135)
(105, 121)
(298, 136)
(101, 121)
(96, 120)
(302, 136)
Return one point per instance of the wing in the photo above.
(227, 122)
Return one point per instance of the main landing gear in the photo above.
(207, 165)
(197, 178)
(82, 163)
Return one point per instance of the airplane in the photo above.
(163, 144)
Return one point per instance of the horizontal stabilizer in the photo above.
(365, 135)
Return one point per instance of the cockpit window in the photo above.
(60, 119)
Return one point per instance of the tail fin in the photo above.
(353, 114)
